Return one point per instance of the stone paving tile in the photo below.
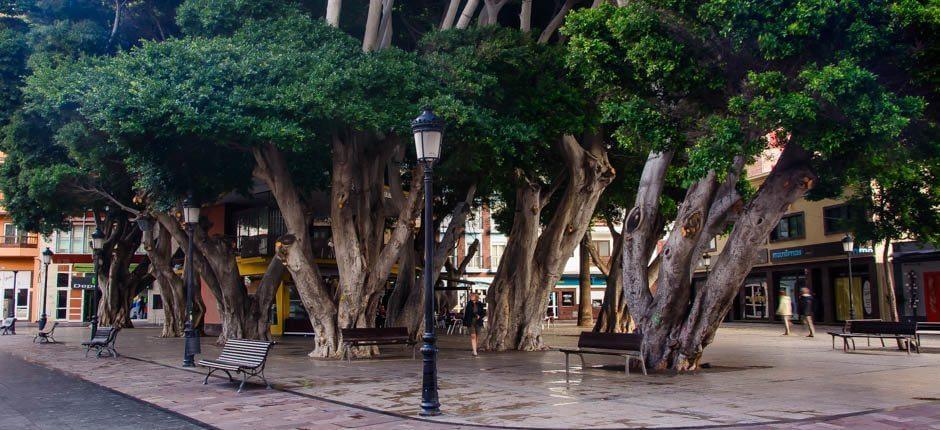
(751, 384)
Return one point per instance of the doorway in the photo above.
(755, 300)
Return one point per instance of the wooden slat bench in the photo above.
(8, 326)
(926, 328)
(243, 356)
(103, 341)
(354, 337)
(881, 330)
(627, 345)
(45, 335)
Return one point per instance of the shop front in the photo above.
(917, 274)
(824, 270)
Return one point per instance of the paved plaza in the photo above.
(756, 379)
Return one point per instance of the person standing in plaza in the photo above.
(806, 310)
(473, 315)
(785, 310)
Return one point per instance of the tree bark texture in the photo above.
(585, 307)
(533, 263)
(160, 251)
(676, 324)
(118, 284)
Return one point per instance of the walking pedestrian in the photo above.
(473, 315)
(785, 310)
(806, 310)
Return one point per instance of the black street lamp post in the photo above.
(191, 347)
(848, 245)
(97, 243)
(427, 129)
(46, 259)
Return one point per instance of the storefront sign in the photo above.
(83, 282)
(830, 249)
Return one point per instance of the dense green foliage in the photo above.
(851, 83)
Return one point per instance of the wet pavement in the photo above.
(756, 378)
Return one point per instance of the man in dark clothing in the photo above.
(473, 315)
(806, 310)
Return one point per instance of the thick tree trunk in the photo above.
(614, 316)
(641, 230)
(676, 329)
(117, 293)
(160, 251)
(521, 297)
(296, 252)
(585, 307)
(515, 270)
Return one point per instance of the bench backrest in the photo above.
(8, 322)
(105, 334)
(49, 328)
(616, 341)
(244, 352)
(928, 326)
(882, 327)
(359, 334)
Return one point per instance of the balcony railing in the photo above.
(19, 241)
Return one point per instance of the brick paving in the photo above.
(799, 385)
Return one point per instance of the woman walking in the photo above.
(785, 310)
(473, 315)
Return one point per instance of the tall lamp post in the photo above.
(848, 245)
(46, 259)
(97, 243)
(427, 129)
(191, 347)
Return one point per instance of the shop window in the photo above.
(62, 304)
(157, 302)
(62, 280)
(552, 310)
(567, 298)
(22, 299)
(790, 227)
(597, 303)
(836, 219)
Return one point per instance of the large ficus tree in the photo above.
(55, 166)
(838, 87)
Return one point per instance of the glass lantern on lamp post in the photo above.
(97, 243)
(428, 130)
(848, 245)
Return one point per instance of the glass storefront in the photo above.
(791, 284)
(755, 299)
(842, 297)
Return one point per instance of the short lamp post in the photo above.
(848, 245)
(707, 262)
(191, 347)
(97, 244)
(428, 129)
(46, 259)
